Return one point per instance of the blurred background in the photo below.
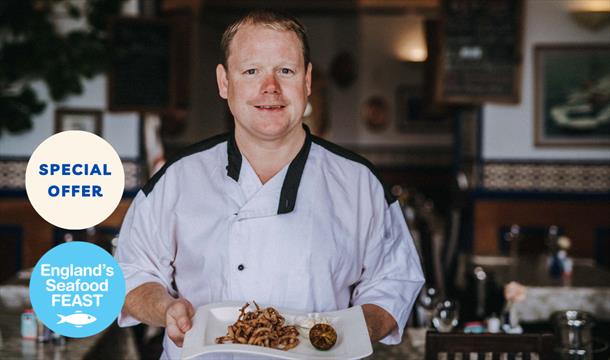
(489, 120)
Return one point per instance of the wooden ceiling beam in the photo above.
(323, 5)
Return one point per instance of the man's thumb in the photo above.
(184, 324)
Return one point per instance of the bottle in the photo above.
(556, 267)
(480, 278)
(554, 264)
(566, 268)
(551, 238)
(29, 326)
(513, 236)
(425, 307)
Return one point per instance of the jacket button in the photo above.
(240, 267)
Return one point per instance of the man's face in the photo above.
(266, 83)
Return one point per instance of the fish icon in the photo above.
(77, 319)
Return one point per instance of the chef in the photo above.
(268, 212)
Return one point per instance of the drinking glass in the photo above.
(445, 315)
(426, 304)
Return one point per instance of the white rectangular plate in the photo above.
(211, 321)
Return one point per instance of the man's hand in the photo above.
(151, 304)
(178, 320)
(378, 321)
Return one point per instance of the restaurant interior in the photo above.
(488, 120)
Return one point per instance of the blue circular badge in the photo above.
(77, 289)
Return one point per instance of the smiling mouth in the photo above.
(269, 107)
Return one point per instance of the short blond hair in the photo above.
(271, 19)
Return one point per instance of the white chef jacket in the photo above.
(321, 235)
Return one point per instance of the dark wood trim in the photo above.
(181, 23)
(96, 114)
(14, 231)
(110, 84)
(324, 6)
(579, 219)
(37, 233)
(453, 343)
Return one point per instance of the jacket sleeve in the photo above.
(143, 253)
(392, 276)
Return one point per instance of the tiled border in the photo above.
(495, 176)
(12, 174)
(546, 176)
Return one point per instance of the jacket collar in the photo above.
(290, 187)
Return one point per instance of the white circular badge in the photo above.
(74, 179)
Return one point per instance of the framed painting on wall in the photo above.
(572, 95)
(78, 119)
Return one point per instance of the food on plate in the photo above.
(262, 327)
(322, 336)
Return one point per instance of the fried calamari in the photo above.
(262, 327)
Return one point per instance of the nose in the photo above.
(271, 85)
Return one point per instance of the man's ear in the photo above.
(308, 78)
(223, 82)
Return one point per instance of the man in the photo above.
(269, 212)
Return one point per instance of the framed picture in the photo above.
(480, 52)
(418, 113)
(572, 95)
(78, 119)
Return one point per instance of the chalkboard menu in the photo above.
(140, 72)
(480, 57)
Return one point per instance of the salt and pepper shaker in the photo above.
(29, 329)
(493, 324)
(33, 329)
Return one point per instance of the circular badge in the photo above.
(77, 289)
(74, 179)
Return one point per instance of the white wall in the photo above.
(508, 130)
(329, 36)
(372, 40)
(381, 73)
(119, 129)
